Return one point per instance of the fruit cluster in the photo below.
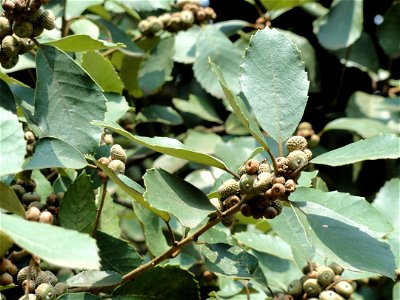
(262, 22)
(116, 161)
(44, 284)
(319, 282)
(191, 13)
(7, 270)
(262, 191)
(30, 142)
(35, 210)
(305, 130)
(21, 21)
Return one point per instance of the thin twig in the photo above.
(101, 204)
(341, 80)
(17, 255)
(246, 287)
(65, 23)
(234, 174)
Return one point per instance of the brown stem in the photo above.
(101, 204)
(17, 255)
(341, 80)
(65, 23)
(234, 174)
(171, 233)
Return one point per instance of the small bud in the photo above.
(343, 288)
(44, 291)
(33, 214)
(311, 287)
(60, 288)
(5, 27)
(295, 288)
(251, 166)
(23, 30)
(9, 46)
(28, 284)
(297, 159)
(296, 143)
(228, 188)
(47, 19)
(117, 153)
(325, 276)
(117, 166)
(246, 183)
(46, 217)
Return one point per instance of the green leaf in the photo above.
(109, 221)
(387, 201)
(12, 150)
(289, 229)
(230, 27)
(43, 186)
(278, 4)
(396, 290)
(128, 67)
(228, 261)
(67, 98)
(156, 69)
(94, 279)
(176, 196)
(163, 283)
(10, 80)
(275, 83)
(85, 27)
(56, 245)
(75, 9)
(55, 153)
(343, 241)
(308, 56)
(165, 145)
(5, 243)
(382, 146)
(239, 150)
(354, 208)
(117, 255)
(117, 106)
(128, 186)
(265, 243)
(239, 107)
(342, 26)
(9, 201)
(199, 107)
(388, 31)
(279, 272)
(102, 71)
(307, 178)
(150, 5)
(200, 141)
(160, 114)
(185, 45)
(77, 209)
(153, 233)
(234, 126)
(362, 55)
(364, 127)
(80, 42)
(213, 44)
(79, 296)
(7, 100)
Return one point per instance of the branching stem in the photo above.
(99, 210)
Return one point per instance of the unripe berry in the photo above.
(201, 15)
(47, 19)
(33, 214)
(45, 292)
(8, 5)
(306, 269)
(277, 205)
(336, 268)
(104, 160)
(5, 279)
(41, 277)
(164, 18)
(25, 45)
(210, 13)
(231, 201)
(23, 274)
(311, 287)
(290, 186)
(5, 27)
(314, 140)
(228, 188)
(304, 125)
(117, 166)
(187, 18)
(46, 217)
(308, 153)
(144, 26)
(264, 167)
(344, 288)
(246, 183)
(108, 139)
(277, 190)
(270, 212)
(10, 62)
(330, 295)
(174, 23)
(28, 198)
(19, 190)
(60, 288)
(297, 159)
(251, 166)
(295, 288)
(155, 25)
(325, 276)
(228, 221)
(9, 46)
(29, 137)
(37, 29)
(245, 209)
(296, 143)
(263, 182)
(34, 16)
(23, 30)
(28, 285)
(117, 153)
